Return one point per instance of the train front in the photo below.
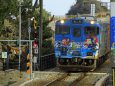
(76, 44)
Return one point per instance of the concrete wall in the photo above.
(113, 9)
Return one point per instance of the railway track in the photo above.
(57, 77)
(91, 79)
(78, 79)
(67, 80)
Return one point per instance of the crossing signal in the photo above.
(35, 44)
(35, 35)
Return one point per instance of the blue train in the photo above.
(81, 43)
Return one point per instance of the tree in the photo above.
(7, 10)
(47, 32)
(9, 28)
(84, 6)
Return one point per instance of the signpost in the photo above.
(4, 55)
(92, 9)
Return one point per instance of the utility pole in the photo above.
(19, 31)
(40, 32)
(29, 27)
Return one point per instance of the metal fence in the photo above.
(47, 61)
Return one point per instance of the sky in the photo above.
(60, 7)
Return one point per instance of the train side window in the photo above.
(76, 32)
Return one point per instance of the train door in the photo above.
(77, 39)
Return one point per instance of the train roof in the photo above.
(78, 21)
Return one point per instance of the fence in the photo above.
(47, 61)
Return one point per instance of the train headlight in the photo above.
(92, 22)
(62, 21)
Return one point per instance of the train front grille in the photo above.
(76, 53)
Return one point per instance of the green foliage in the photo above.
(46, 15)
(46, 43)
(48, 49)
(47, 33)
(27, 3)
(7, 7)
(84, 6)
(9, 28)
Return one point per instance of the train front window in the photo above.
(91, 30)
(64, 30)
(76, 32)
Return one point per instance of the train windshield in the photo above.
(91, 30)
(64, 30)
(76, 32)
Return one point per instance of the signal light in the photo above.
(35, 34)
(35, 44)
